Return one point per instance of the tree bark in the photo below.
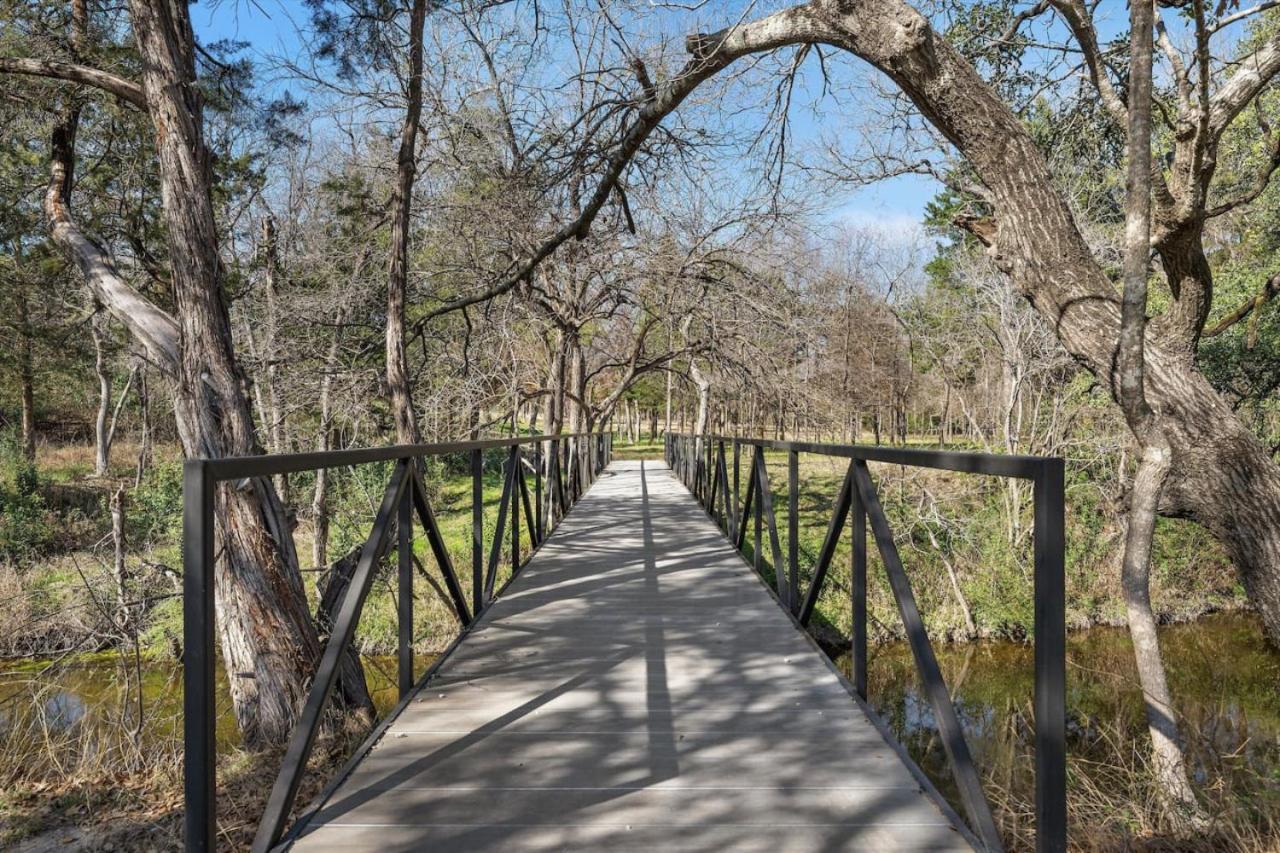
(144, 425)
(268, 640)
(1168, 762)
(101, 440)
(575, 403)
(119, 571)
(398, 384)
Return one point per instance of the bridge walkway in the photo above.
(636, 687)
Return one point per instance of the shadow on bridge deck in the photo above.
(635, 687)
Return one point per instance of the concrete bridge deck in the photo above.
(636, 687)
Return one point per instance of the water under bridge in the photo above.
(637, 684)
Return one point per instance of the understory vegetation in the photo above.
(1022, 227)
(75, 658)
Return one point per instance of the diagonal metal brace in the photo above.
(285, 789)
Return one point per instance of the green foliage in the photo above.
(155, 507)
(26, 526)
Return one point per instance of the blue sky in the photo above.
(895, 206)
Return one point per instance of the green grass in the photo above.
(643, 449)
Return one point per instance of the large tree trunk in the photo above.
(398, 383)
(269, 643)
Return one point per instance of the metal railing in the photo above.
(570, 464)
(700, 462)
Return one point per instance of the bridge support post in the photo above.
(198, 658)
(1050, 655)
(736, 522)
(759, 520)
(858, 533)
(477, 531)
(516, 479)
(793, 531)
(537, 492)
(404, 605)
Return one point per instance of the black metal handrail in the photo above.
(570, 465)
(699, 461)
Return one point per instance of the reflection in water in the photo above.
(62, 710)
(1223, 676)
(97, 691)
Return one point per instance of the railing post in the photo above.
(516, 473)
(858, 533)
(198, 660)
(558, 498)
(708, 456)
(404, 608)
(1050, 656)
(537, 491)
(793, 531)
(759, 507)
(477, 531)
(737, 449)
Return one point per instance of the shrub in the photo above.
(25, 524)
(155, 511)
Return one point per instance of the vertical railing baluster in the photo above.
(858, 556)
(404, 605)
(1050, 658)
(477, 531)
(793, 531)
(759, 507)
(198, 658)
(537, 491)
(515, 508)
(737, 522)
(553, 488)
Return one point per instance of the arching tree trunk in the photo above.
(1220, 474)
